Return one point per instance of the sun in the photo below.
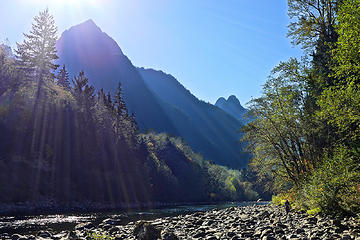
(75, 2)
(65, 3)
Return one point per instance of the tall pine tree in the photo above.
(37, 52)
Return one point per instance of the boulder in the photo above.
(83, 226)
(168, 235)
(44, 234)
(113, 222)
(145, 231)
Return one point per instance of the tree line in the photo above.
(305, 138)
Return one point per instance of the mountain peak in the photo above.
(232, 106)
(88, 41)
(221, 101)
(233, 99)
(89, 22)
(89, 26)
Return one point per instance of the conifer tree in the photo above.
(83, 92)
(133, 122)
(63, 78)
(109, 102)
(37, 52)
(119, 102)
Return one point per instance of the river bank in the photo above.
(248, 222)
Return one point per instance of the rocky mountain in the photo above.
(159, 101)
(85, 47)
(232, 106)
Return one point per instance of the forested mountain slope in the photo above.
(207, 128)
(159, 101)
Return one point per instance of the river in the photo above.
(59, 222)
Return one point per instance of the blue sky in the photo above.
(215, 48)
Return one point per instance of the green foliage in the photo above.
(310, 19)
(182, 172)
(340, 104)
(281, 198)
(333, 187)
(314, 211)
(306, 132)
(278, 136)
(276, 200)
(346, 54)
(340, 107)
(99, 236)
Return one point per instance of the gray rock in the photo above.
(266, 232)
(113, 222)
(71, 235)
(44, 234)
(346, 237)
(199, 234)
(268, 238)
(168, 235)
(211, 237)
(16, 236)
(145, 231)
(83, 226)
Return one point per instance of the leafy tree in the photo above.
(346, 54)
(311, 20)
(340, 104)
(63, 78)
(37, 52)
(278, 136)
(313, 27)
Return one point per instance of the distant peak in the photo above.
(232, 98)
(221, 100)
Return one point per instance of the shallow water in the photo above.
(60, 222)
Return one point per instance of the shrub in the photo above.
(281, 198)
(333, 187)
(99, 236)
(313, 211)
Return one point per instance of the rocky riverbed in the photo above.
(264, 222)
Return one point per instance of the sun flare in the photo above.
(66, 3)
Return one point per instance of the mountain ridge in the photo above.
(232, 106)
(160, 102)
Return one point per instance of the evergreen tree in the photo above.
(82, 91)
(109, 102)
(63, 78)
(37, 52)
(101, 96)
(119, 102)
(133, 122)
